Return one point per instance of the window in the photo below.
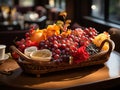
(98, 8)
(114, 11)
(106, 9)
(60, 4)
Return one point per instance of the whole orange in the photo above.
(37, 36)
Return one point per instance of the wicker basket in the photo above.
(37, 67)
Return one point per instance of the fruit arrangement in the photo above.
(58, 43)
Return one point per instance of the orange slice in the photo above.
(41, 55)
(29, 50)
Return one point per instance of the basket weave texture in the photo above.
(37, 67)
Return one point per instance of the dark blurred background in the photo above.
(16, 16)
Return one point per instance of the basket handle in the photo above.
(13, 48)
(111, 45)
(25, 57)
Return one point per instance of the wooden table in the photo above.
(93, 77)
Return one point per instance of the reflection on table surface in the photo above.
(62, 79)
(114, 65)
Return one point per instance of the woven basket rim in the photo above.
(32, 67)
(105, 52)
(46, 62)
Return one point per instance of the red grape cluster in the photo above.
(64, 47)
(25, 42)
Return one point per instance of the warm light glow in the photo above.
(93, 7)
(34, 16)
(26, 3)
(51, 3)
